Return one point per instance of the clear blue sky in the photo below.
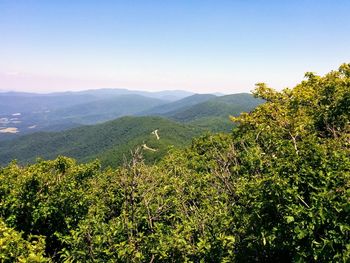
(202, 46)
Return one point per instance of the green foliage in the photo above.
(276, 189)
(46, 198)
(298, 192)
(166, 213)
(214, 124)
(13, 248)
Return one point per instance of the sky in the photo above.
(196, 45)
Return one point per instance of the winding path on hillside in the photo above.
(148, 148)
(155, 132)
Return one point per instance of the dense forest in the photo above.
(108, 141)
(275, 189)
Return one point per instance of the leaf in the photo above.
(290, 219)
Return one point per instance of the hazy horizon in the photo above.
(197, 46)
(95, 89)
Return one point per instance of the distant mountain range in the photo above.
(11, 102)
(169, 95)
(23, 113)
(52, 118)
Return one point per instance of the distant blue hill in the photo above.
(179, 104)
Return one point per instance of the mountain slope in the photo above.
(217, 107)
(177, 105)
(107, 141)
(213, 114)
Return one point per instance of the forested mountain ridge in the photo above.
(108, 141)
(275, 189)
(213, 114)
(222, 106)
(182, 104)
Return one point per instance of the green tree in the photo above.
(13, 248)
(294, 204)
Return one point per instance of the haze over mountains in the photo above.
(92, 124)
(31, 112)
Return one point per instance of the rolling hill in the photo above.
(108, 141)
